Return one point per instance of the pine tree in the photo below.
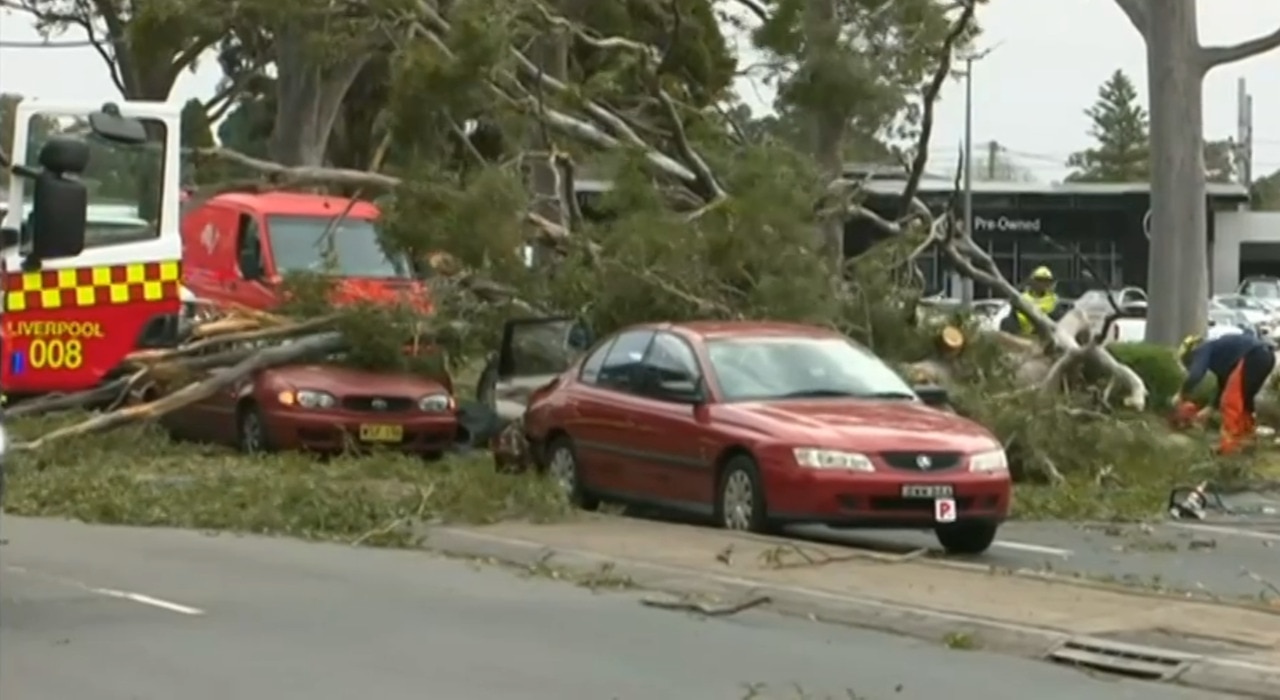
(1120, 128)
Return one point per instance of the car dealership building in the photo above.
(1103, 227)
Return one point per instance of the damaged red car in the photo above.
(757, 425)
(325, 408)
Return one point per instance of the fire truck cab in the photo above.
(74, 306)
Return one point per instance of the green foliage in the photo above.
(1120, 128)
(136, 476)
(1161, 372)
(867, 67)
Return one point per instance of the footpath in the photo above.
(1227, 647)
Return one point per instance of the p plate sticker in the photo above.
(944, 510)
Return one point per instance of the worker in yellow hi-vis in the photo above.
(1041, 295)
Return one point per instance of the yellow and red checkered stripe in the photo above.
(80, 287)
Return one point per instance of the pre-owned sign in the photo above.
(1011, 224)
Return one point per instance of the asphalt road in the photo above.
(116, 614)
(1228, 560)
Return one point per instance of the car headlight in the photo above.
(818, 458)
(435, 403)
(308, 398)
(989, 462)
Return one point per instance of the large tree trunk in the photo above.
(309, 95)
(1178, 268)
(828, 126)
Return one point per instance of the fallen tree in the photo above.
(695, 223)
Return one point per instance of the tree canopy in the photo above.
(1120, 129)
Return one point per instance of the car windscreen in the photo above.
(1262, 289)
(785, 367)
(300, 244)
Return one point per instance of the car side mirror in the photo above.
(933, 395)
(57, 223)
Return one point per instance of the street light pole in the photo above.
(966, 284)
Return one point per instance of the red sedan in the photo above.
(325, 408)
(758, 425)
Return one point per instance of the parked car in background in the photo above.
(1265, 290)
(1224, 321)
(1098, 304)
(760, 425)
(1255, 312)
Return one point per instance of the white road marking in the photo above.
(148, 600)
(1037, 548)
(140, 598)
(1228, 530)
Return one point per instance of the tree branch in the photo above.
(1214, 56)
(940, 75)
(1138, 12)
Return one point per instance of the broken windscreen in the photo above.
(303, 244)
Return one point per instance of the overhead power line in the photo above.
(67, 44)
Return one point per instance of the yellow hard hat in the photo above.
(1188, 344)
(1042, 273)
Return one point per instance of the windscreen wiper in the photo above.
(819, 394)
(887, 395)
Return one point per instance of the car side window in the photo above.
(591, 366)
(671, 359)
(623, 359)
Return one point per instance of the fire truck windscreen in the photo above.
(124, 181)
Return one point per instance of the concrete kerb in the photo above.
(1204, 672)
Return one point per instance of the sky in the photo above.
(1029, 92)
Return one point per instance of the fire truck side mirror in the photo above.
(58, 210)
(109, 125)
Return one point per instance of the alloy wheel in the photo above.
(564, 470)
(738, 501)
(251, 432)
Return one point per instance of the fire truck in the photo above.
(75, 304)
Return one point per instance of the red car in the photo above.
(758, 425)
(325, 408)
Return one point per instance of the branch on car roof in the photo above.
(264, 358)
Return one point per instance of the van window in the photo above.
(300, 244)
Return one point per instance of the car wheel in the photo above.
(740, 501)
(251, 431)
(967, 537)
(563, 467)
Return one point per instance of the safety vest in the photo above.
(1046, 302)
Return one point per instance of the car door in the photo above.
(533, 351)
(671, 430)
(249, 285)
(603, 429)
(213, 418)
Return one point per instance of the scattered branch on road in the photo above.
(794, 555)
(705, 609)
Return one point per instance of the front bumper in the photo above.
(860, 499)
(422, 434)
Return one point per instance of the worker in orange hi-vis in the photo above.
(1241, 363)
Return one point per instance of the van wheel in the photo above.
(740, 498)
(563, 467)
(967, 536)
(251, 430)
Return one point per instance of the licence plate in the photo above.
(381, 433)
(927, 491)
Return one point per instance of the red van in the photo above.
(237, 248)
